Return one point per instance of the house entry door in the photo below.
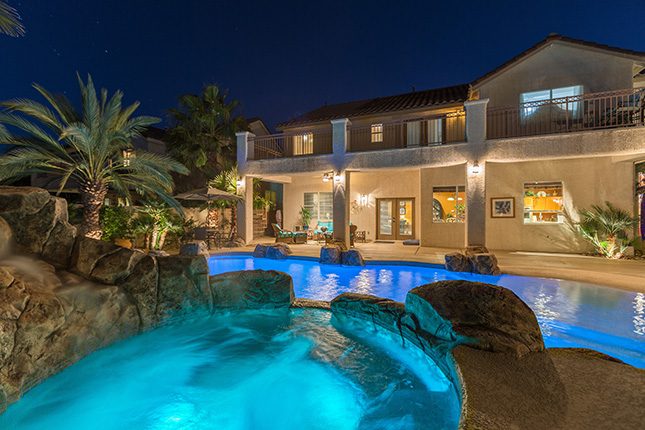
(395, 219)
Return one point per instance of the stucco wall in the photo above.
(294, 198)
(451, 235)
(586, 181)
(558, 66)
(382, 184)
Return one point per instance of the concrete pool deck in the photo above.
(624, 274)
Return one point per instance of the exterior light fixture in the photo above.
(327, 176)
(239, 183)
(337, 178)
(475, 168)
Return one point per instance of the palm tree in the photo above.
(606, 228)
(10, 21)
(92, 148)
(226, 180)
(203, 135)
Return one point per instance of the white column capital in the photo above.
(345, 121)
(469, 103)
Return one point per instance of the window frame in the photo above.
(527, 111)
(457, 190)
(559, 213)
(315, 208)
(376, 133)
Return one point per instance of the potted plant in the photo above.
(305, 215)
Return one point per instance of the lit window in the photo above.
(535, 101)
(128, 154)
(448, 204)
(303, 144)
(321, 207)
(377, 133)
(543, 202)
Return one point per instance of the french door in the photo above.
(395, 219)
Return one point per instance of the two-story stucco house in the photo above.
(498, 162)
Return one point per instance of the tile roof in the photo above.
(557, 38)
(413, 100)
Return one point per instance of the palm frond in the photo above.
(10, 21)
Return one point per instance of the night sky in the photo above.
(282, 58)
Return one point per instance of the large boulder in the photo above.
(141, 285)
(59, 245)
(484, 264)
(352, 257)
(278, 251)
(87, 254)
(32, 214)
(114, 267)
(484, 316)
(6, 237)
(331, 254)
(194, 247)
(457, 262)
(183, 285)
(252, 289)
(260, 251)
(384, 312)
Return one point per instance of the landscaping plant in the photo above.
(606, 229)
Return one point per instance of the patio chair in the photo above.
(287, 236)
(352, 234)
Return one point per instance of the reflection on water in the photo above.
(639, 314)
(570, 313)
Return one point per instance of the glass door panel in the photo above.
(385, 218)
(405, 216)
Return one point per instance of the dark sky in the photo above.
(282, 58)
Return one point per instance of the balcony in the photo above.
(434, 130)
(285, 145)
(591, 111)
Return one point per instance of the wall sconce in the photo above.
(363, 199)
(239, 183)
(475, 169)
(327, 176)
(337, 178)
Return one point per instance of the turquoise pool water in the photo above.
(245, 371)
(570, 313)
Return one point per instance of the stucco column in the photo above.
(245, 149)
(476, 120)
(341, 206)
(245, 209)
(340, 142)
(476, 173)
(476, 204)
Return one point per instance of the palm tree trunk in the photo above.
(233, 222)
(92, 197)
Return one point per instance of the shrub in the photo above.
(606, 228)
(116, 223)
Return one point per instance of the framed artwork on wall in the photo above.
(502, 207)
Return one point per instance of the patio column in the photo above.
(476, 173)
(340, 142)
(245, 149)
(245, 209)
(341, 206)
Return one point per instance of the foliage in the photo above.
(305, 214)
(10, 21)
(203, 135)
(89, 147)
(226, 180)
(116, 222)
(259, 201)
(154, 221)
(606, 229)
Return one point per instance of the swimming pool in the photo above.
(289, 369)
(570, 313)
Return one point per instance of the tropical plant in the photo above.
(260, 201)
(154, 221)
(305, 215)
(226, 180)
(93, 148)
(605, 228)
(116, 222)
(203, 134)
(10, 21)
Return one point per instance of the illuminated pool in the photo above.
(571, 314)
(245, 370)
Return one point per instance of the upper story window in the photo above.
(534, 102)
(543, 202)
(303, 144)
(128, 154)
(377, 133)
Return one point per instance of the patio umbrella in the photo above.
(207, 195)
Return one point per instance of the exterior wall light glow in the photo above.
(475, 168)
(239, 183)
(327, 176)
(337, 178)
